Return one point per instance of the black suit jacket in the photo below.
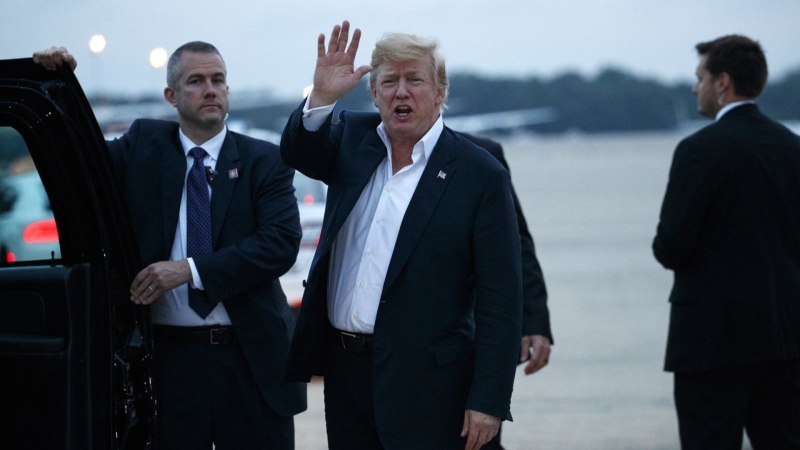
(535, 315)
(255, 232)
(448, 325)
(730, 230)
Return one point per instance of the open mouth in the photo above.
(402, 111)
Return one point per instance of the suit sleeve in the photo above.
(498, 300)
(694, 182)
(535, 314)
(266, 254)
(120, 150)
(312, 153)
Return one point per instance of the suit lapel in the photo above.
(227, 169)
(435, 178)
(173, 177)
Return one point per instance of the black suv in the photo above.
(75, 353)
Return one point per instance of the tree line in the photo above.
(613, 100)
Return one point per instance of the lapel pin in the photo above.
(441, 175)
(233, 173)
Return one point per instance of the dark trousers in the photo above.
(349, 411)
(206, 394)
(714, 407)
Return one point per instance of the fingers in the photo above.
(540, 357)
(351, 52)
(145, 288)
(465, 427)
(354, 43)
(343, 36)
(525, 348)
(363, 70)
(54, 57)
(321, 45)
(333, 44)
(479, 428)
(338, 41)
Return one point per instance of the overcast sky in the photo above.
(271, 45)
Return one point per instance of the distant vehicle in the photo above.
(311, 196)
(27, 228)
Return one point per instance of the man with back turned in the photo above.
(730, 230)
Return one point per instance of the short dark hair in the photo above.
(174, 64)
(741, 58)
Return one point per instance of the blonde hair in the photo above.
(396, 47)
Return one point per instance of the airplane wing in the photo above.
(476, 123)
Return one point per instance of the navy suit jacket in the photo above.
(255, 232)
(730, 230)
(535, 315)
(446, 336)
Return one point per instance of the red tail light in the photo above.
(11, 257)
(40, 232)
(308, 199)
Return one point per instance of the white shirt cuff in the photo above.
(314, 118)
(197, 283)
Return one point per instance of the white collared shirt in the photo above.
(364, 246)
(173, 306)
(730, 106)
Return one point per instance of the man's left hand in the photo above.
(54, 57)
(479, 428)
(536, 350)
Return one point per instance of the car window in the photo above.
(27, 228)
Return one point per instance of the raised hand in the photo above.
(334, 75)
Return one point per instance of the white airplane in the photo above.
(476, 123)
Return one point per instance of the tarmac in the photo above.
(592, 203)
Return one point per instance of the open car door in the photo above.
(75, 352)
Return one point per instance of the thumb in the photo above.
(69, 59)
(465, 427)
(525, 349)
(363, 70)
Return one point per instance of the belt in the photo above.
(354, 342)
(213, 335)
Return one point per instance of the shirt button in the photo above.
(378, 220)
(361, 285)
(369, 252)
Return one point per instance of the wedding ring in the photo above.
(150, 289)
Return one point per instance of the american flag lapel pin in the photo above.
(233, 173)
(441, 175)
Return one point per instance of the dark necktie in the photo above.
(198, 225)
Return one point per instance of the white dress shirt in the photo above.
(173, 306)
(364, 245)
